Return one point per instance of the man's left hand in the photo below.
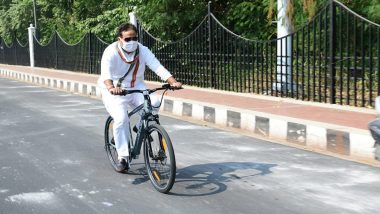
(176, 85)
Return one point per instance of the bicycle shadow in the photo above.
(212, 178)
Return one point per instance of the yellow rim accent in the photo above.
(164, 144)
(155, 175)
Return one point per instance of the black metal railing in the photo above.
(15, 54)
(333, 59)
(84, 56)
(187, 60)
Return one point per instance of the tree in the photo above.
(15, 17)
(174, 19)
(305, 10)
(249, 19)
(171, 19)
(105, 24)
(165, 19)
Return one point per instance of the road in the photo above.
(52, 160)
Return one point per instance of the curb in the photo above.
(351, 143)
(83, 88)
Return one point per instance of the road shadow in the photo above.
(211, 178)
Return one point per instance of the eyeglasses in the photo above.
(130, 39)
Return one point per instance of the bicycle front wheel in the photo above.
(159, 158)
(110, 143)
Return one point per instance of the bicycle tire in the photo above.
(154, 146)
(110, 143)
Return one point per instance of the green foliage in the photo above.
(15, 17)
(166, 19)
(171, 19)
(105, 25)
(249, 19)
(369, 9)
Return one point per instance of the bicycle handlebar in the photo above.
(163, 87)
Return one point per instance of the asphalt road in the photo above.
(52, 160)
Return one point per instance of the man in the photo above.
(123, 66)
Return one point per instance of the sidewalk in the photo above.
(331, 129)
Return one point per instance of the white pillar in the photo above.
(132, 18)
(377, 104)
(284, 48)
(31, 31)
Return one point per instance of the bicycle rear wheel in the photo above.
(110, 143)
(159, 158)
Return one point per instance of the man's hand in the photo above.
(116, 91)
(111, 88)
(176, 84)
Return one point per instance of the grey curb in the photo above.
(355, 143)
(350, 142)
(66, 85)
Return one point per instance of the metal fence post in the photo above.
(2, 60)
(56, 49)
(89, 52)
(14, 46)
(212, 72)
(332, 52)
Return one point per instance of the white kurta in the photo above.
(113, 67)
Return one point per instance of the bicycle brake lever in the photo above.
(166, 86)
(174, 88)
(124, 92)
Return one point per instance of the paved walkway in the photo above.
(343, 129)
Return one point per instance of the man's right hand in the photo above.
(116, 91)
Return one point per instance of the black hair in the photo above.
(125, 27)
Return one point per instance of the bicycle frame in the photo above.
(159, 157)
(147, 116)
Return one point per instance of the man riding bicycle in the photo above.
(123, 66)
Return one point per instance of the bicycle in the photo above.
(159, 155)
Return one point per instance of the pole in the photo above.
(212, 73)
(132, 18)
(34, 11)
(90, 51)
(284, 49)
(332, 52)
(31, 31)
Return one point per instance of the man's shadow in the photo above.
(211, 178)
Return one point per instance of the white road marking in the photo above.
(33, 197)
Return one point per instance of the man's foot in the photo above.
(122, 165)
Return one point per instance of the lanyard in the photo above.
(130, 68)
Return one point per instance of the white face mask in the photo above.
(130, 46)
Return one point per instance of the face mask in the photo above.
(130, 46)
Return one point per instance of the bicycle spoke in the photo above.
(160, 159)
(110, 143)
